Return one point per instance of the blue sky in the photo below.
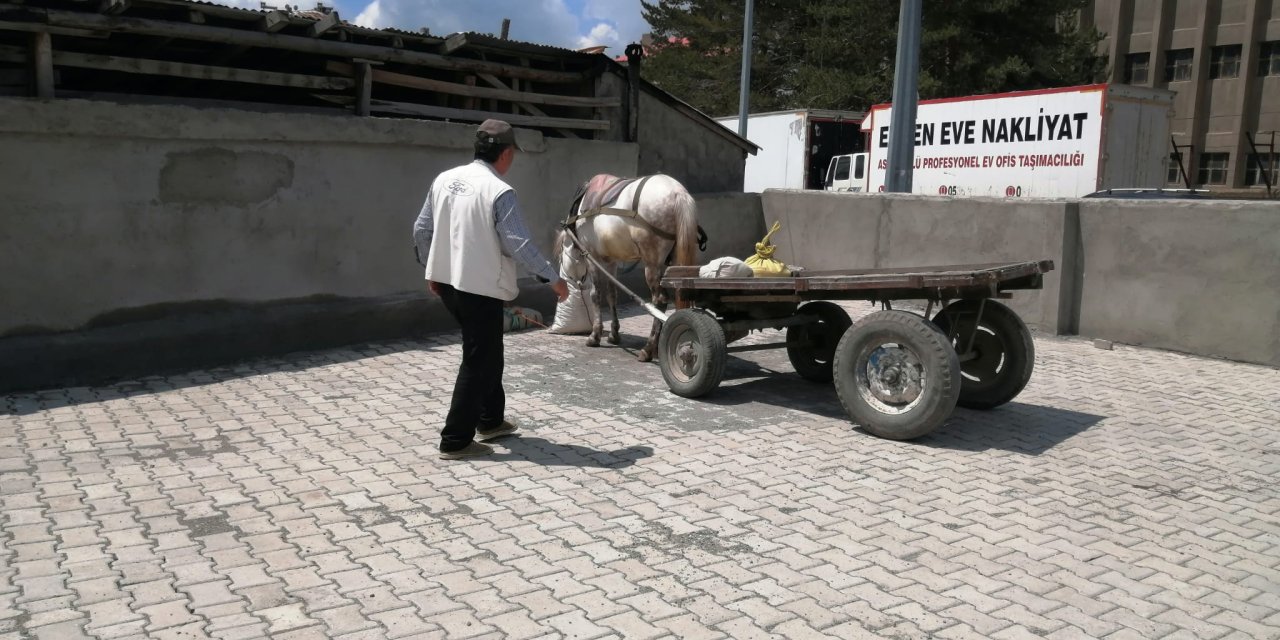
(565, 23)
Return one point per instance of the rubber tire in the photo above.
(938, 359)
(1019, 353)
(712, 355)
(816, 363)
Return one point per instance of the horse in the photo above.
(660, 228)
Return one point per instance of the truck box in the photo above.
(796, 146)
(1049, 143)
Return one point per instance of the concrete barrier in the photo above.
(734, 223)
(1201, 277)
(856, 231)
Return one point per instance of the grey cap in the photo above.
(499, 131)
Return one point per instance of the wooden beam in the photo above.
(527, 107)
(453, 43)
(480, 116)
(453, 88)
(205, 33)
(113, 7)
(468, 115)
(364, 87)
(329, 21)
(185, 70)
(42, 64)
(195, 17)
(35, 27)
(274, 21)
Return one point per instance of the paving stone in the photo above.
(300, 497)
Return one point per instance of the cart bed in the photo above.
(920, 283)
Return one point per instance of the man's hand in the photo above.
(561, 289)
(434, 287)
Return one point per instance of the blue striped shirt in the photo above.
(508, 219)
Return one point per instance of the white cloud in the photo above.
(624, 15)
(601, 34)
(614, 23)
(544, 21)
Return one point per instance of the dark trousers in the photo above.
(478, 399)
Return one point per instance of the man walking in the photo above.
(472, 234)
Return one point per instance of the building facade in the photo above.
(1222, 59)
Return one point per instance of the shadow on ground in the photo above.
(28, 402)
(554, 454)
(1016, 427)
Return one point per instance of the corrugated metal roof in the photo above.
(490, 40)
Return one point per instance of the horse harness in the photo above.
(619, 184)
(633, 213)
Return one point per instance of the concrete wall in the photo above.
(854, 231)
(1189, 276)
(672, 143)
(734, 223)
(115, 215)
(1192, 276)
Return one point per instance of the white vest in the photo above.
(465, 250)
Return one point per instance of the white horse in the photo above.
(658, 226)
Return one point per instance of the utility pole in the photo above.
(745, 85)
(902, 124)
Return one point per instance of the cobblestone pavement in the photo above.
(1125, 494)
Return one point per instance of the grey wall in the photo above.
(113, 215)
(853, 231)
(672, 143)
(1192, 276)
(734, 224)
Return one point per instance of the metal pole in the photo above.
(902, 125)
(745, 85)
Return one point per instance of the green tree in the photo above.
(839, 54)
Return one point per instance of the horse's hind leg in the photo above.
(653, 276)
(597, 291)
(614, 338)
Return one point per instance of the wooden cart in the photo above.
(898, 374)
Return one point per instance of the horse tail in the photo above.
(686, 251)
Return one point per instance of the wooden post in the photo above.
(364, 87)
(42, 64)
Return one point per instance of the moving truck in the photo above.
(796, 146)
(1049, 143)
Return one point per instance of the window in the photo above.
(842, 168)
(1135, 68)
(1224, 62)
(1269, 59)
(1177, 64)
(1175, 168)
(1213, 168)
(859, 168)
(1253, 174)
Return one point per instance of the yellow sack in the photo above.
(762, 263)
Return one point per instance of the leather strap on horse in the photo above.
(633, 213)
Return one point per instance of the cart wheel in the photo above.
(1003, 353)
(692, 353)
(896, 375)
(812, 347)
